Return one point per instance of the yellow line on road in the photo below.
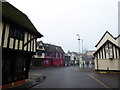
(106, 86)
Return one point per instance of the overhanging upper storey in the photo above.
(17, 32)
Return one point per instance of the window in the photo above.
(20, 35)
(106, 47)
(110, 50)
(61, 55)
(107, 51)
(48, 54)
(39, 53)
(11, 31)
(54, 54)
(61, 62)
(40, 47)
(58, 54)
(16, 32)
(110, 46)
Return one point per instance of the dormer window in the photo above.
(40, 47)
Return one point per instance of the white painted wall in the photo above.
(111, 64)
(16, 44)
(119, 18)
(43, 56)
(20, 45)
(25, 40)
(11, 43)
(1, 30)
(6, 35)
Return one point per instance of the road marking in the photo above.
(106, 86)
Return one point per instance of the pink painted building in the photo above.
(54, 55)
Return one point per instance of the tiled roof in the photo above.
(52, 48)
(14, 15)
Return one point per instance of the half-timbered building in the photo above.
(107, 56)
(18, 41)
(38, 59)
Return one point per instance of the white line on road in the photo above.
(106, 86)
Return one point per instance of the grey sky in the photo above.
(60, 20)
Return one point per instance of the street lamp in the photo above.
(80, 58)
(82, 45)
(78, 42)
(82, 53)
(78, 49)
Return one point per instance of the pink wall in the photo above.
(57, 61)
(47, 63)
(52, 56)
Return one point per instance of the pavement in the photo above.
(33, 80)
(108, 79)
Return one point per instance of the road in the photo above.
(67, 77)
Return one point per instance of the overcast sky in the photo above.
(60, 20)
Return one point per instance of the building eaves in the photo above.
(117, 37)
(14, 15)
(103, 37)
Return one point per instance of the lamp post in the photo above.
(81, 63)
(82, 45)
(82, 53)
(78, 42)
(79, 48)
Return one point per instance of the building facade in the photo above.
(107, 56)
(54, 55)
(74, 57)
(18, 41)
(67, 59)
(38, 59)
(88, 57)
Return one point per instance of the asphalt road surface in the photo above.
(67, 77)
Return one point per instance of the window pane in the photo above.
(11, 30)
(15, 32)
